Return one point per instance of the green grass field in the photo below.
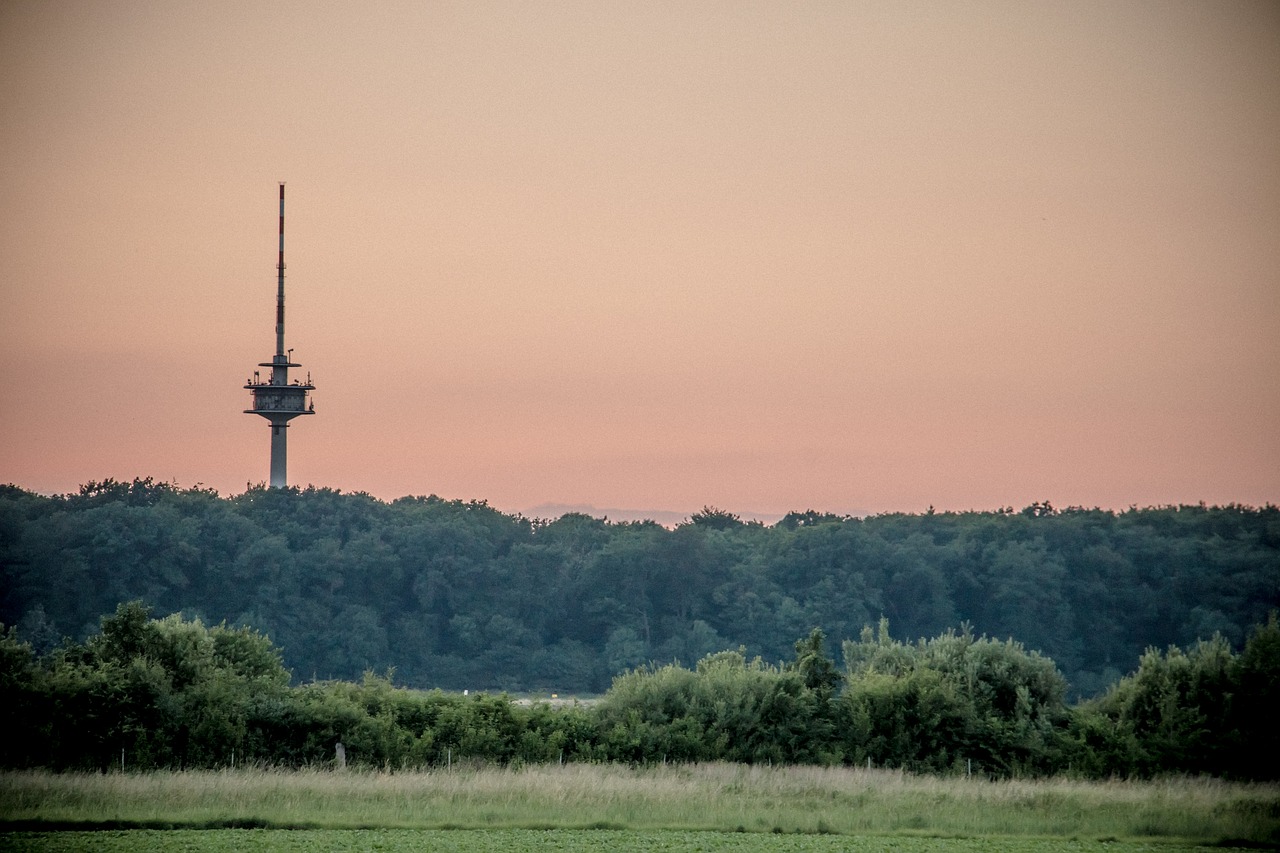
(724, 803)
(520, 840)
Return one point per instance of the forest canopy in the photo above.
(455, 594)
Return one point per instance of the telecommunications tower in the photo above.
(277, 399)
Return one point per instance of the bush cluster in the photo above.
(172, 693)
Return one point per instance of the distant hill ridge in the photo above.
(667, 518)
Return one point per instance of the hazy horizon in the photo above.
(674, 517)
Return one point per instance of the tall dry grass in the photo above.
(706, 796)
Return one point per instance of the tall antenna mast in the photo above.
(280, 283)
(276, 399)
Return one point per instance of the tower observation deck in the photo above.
(276, 398)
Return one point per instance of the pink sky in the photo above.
(763, 256)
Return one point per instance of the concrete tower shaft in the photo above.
(277, 399)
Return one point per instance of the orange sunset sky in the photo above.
(849, 256)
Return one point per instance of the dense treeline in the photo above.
(147, 693)
(457, 594)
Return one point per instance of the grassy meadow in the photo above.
(728, 798)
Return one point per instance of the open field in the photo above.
(796, 801)
(521, 840)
